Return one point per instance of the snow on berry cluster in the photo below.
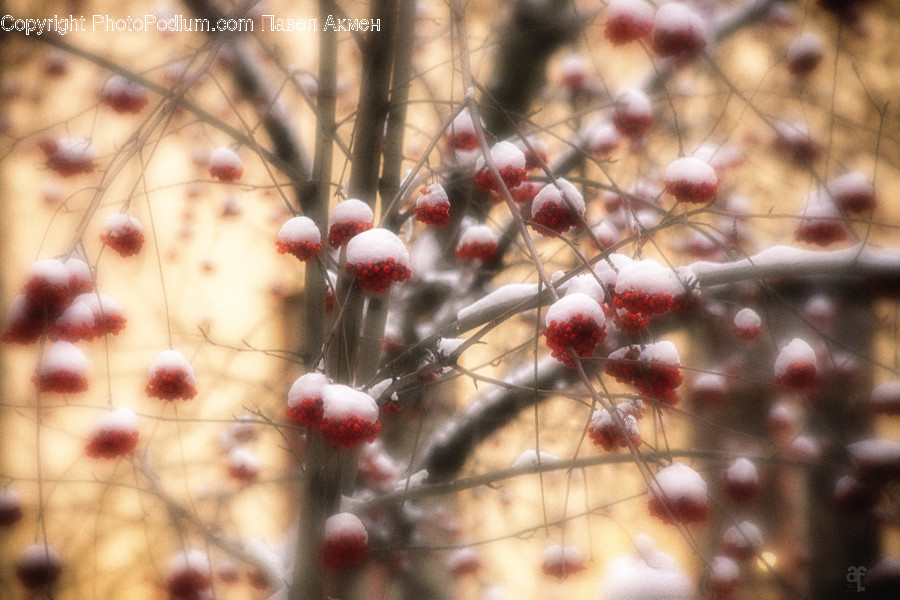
(348, 219)
(619, 429)
(123, 233)
(576, 325)
(376, 258)
(654, 369)
(433, 206)
(557, 208)
(345, 543)
(299, 237)
(510, 163)
(171, 377)
(678, 494)
(477, 242)
(346, 417)
(114, 434)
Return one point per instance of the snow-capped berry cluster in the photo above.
(646, 573)
(305, 399)
(576, 325)
(377, 258)
(69, 156)
(822, 223)
(654, 369)
(299, 237)
(189, 576)
(433, 206)
(557, 208)
(225, 164)
(123, 233)
(38, 567)
(171, 377)
(113, 434)
(740, 481)
(461, 136)
(796, 366)
(464, 561)
(747, 324)
(627, 21)
(559, 561)
(632, 113)
(885, 398)
(647, 288)
(345, 543)
(852, 192)
(678, 31)
(348, 219)
(678, 493)
(477, 242)
(691, 179)
(742, 541)
(63, 369)
(620, 432)
(510, 163)
(123, 95)
(804, 54)
(243, 465)
(349, 416)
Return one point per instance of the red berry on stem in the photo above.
(477, 242)
(349, 416)
(377, 258)
(627, 21)
(114, 434)
(678, 31)
(171, 377)
(304, 399)
(678, 493)
(123, 233)
(345, 543)
(349, 218)
(557, 208)
(225, 165)
(691, 179)
(38, 567)
(575, 326)
(300, 237)
(433, 206)
(63, 369)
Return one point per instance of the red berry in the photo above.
(690, 179)
(171, 377)
(123, 95)
(561, 561)
(678, 31)
(510, 163)
(349, 218)
(742, 541)
(557, 208)
(477, 242)
(606, 432)
(63, 369)
(300, 237)
(225, 165)
(747, 324)
(795, 366)
(376, 258)
(575, 324)
(114, 434)
(69, 156)
(189, 576)
(741, 481)
(804, 54)
(433, 206)
(243, 465)
(305, 399)
(10, 507)
(349, 417)
(678, 493)
(345, 543)
(627, 21)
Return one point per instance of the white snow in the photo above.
(806, 44)
(819, 205)
(650, 277)
(692, 170)
(79, 270)
(173, 360)
(709, 383)
(351, 210)
(601, 137)
(607, 271)
(300, 229)
(39, 554)
(74, 150)
(530, 458)
(118, 222)
(850, 183)
(606, 233)
(633, 103)
(587, 284)
(573, 304)
(77, 314)
(121, 419)
(117, 84)
(447, 346)
(719, 156)
(224, 157)
(637, 10)
(555, 193)
(649, 574)
(100, 304)
(341, 401)
(190, 560)
(507, 295)
(462, 123)
(64, 357)
(344, 523)
(242, 458)
(504, 155)
(886, 394)
(663, 351)
(51, 270)
(742, 470)
(558, 554)
(875, 451)
(434, 194)
(481, 234)
(677, 17)
(796, 352)
(376, 245)
(679, 481)
(746, 318)
(743, 534)
(724, 570)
